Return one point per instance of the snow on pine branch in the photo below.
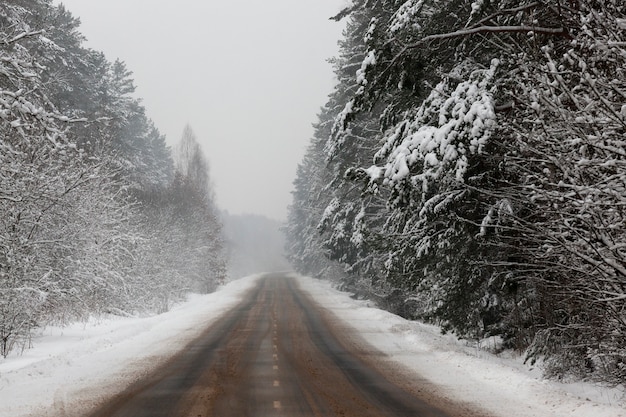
(450, 125)
(406, 16)
(340, 130)
(370, 59)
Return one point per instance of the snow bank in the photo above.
(71, 368)
(503, 386)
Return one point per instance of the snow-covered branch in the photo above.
(22, 36)
(489, 29)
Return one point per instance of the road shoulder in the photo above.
(71, 370)
(455, 370)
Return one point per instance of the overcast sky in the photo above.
(248, 76)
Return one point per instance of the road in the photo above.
(279, 354)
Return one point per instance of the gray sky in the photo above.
(248, 76)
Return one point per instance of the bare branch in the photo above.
(505, 11)
(490, 29)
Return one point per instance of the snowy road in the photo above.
(274, 354)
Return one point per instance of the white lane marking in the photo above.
(275, 356)
(276, 367)
(277, 405)
(277, 383)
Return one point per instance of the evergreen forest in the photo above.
(469, 170)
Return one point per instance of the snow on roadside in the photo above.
(502, 386)
(70, 368)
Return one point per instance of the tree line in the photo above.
(97, 214)
(469, 169)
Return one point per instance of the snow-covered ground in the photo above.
(503, 386)
(70, 367)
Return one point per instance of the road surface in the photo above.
(278, 354)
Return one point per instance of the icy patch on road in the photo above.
(70, 368)
(501, 385)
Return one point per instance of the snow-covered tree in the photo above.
(305, 249)
(497, 151)
(184, 249)
(58, 204)
(191, 163)
(565, 134)
(78, 160)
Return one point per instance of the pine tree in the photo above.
(496, 146)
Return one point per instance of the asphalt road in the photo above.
(279, 354)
